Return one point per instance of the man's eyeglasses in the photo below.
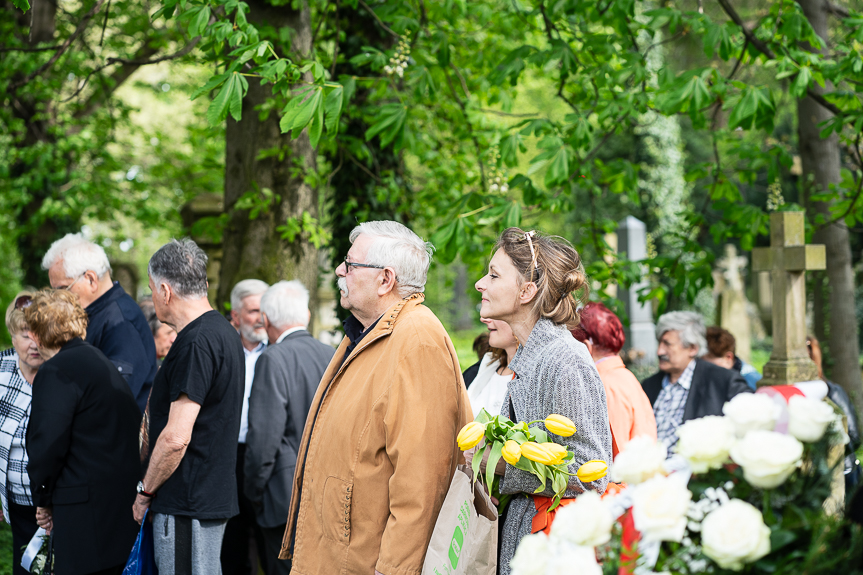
(23, 302)
(349, 264)
(68, 287)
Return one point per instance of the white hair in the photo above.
(79, 256)
(398, 247)
(244, 289)
(689, 327)
(286, 303)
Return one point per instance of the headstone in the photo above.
(206, 206)
(641, 331)
(788, 258)
(732, 313)
(762, 291)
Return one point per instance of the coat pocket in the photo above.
(336, 510)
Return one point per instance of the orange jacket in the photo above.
(629, 411)
(379, 450)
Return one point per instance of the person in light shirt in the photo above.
(629, 411)
(488, 389)
(245, 313)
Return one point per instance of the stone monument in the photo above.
(788, 258)
(641, 331)
(732, 313)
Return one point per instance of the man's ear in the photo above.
(165, 293)
(387, 280)
(235, 316)
(263, 316)
(92, 280)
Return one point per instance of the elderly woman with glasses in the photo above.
(18, 367)
(82, 441)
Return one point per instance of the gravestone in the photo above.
(641, 331)
(732, 313)
(206, 205)
(788, 258)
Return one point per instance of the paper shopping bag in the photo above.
(464, 541)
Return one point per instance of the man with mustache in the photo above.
(245, 313)
(379, 449)
(687, 386)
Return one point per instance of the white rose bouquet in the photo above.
(751, 501)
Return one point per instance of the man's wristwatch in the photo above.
(144, 493)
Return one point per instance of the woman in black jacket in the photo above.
(82, 442)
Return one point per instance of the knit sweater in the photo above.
(554, 374)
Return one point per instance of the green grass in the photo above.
(5, 549)
(759, 358)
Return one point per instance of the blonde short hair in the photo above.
(15, 323)
(56, 317)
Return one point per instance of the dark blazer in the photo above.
(82, 441)
(470, 374)
(119, 329)
(711, 387)
(286, 378)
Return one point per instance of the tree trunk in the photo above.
(821, 167)
(34, 235)
(252, 247)
(360, 188)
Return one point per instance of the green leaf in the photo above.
(333, 109)
(477, 459)
(229, 98)
(200, 21)
(780, 538)
(512, 219)
(22, 5)
(389, 124)
(300, 110)
(211, 84)
(493, 458)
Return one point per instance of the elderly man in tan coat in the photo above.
(379, 447)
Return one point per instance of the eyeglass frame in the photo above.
(68, 287)
(349, 264)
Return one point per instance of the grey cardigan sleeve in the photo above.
(267, 418)
(573, 390)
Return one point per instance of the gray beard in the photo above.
(343, 285)
(249, 333)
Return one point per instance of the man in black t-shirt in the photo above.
(190, 483)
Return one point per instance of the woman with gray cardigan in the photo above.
(532, 284)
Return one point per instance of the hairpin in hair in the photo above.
(528, 236)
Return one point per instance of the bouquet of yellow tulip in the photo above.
(527, 448)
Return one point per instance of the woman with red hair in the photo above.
(629, 411)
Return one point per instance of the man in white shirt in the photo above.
(245, 313)
(285, 383)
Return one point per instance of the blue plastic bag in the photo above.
(142, 559)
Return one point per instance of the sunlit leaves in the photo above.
(754, 109)
(228, 100)
(22, 5)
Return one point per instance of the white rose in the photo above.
(531, 556)
(641, 459)
(767, 457)
(566, 558)
(735, 534)
(586, 522)
(705, 442)
(751, 411)
(659, 507)
(808, 418)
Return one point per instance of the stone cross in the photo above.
(732, 313)
(788, 258)
(641, 332)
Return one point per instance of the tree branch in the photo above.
(43, 49)
(764, 49)
(507, 114)
(63, 47)
(473, 137)
(840, 11)
(381, 22)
